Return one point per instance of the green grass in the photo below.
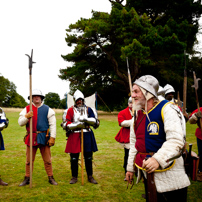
(108, 168)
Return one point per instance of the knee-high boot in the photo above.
(74, 167)
(89, 167)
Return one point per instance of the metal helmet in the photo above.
(37, 92)
(149, 83)
(161, 91)
(130, 99)
(168, 89)
(78, 94)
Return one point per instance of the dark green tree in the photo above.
(63, 103)
(52, 100)
(8, 95)
(151, 34)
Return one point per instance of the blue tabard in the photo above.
(154, 129)
(42, 124)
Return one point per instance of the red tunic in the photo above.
(34, 126)
(198, 132)
(123, 135)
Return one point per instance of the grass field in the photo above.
(108, 168)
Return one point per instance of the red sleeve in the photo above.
(70, 115)
(121, 117)
(124, 115)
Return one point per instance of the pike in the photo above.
(130, 83)
(196, 88)
(30, 90)
(82, 151)
(178, 100)
(185, 86)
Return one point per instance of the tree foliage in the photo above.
(52, 100)
(153, 35)
(8, 95)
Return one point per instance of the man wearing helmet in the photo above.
(169, 92)
(169, 95)
(43, 118)
(157, 138)
(123, 136)
(3, 124)
(80, 117)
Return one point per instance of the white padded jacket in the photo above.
(174, 178)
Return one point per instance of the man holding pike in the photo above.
(43, 118)
(157, 138)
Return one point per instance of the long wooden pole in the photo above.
(31, 135)
(30, 122)
(185, 87)
(130, 86)
(82, 160)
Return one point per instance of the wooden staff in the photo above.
(185, 87)
(82, 161)
(30, 122)
(130, 83)
(82, 153)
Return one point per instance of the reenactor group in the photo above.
(153, 135)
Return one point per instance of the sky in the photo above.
(39, 25)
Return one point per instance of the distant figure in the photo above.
(123, 136)
(169, 92)
(195, 118)
(3, 124)
(43, 118)
(80, 117)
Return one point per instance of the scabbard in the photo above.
(151, 188)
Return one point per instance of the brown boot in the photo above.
(73, 180)
(92, 180)
(3, 183)
(52, 180)
(25, 182)
(199, 177)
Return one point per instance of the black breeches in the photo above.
(88, 156)
(126, 152)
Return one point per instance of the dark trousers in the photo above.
(199, 144)
(179, 195)
(88, 156)
(126, 152)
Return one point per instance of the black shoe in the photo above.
(3, 183)
(52, 180)
(25, 182)
(73, 180)
(92, 180)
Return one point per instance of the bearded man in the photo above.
(157, 137)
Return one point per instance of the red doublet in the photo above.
(123, 135)
(34, 126)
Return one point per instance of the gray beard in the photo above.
(140, 105)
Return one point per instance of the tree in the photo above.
(52, 100)
(8, 95)
(152, 34)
